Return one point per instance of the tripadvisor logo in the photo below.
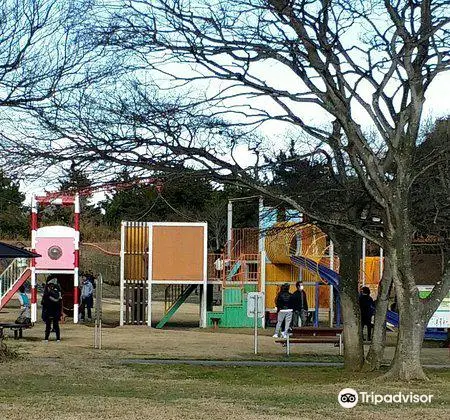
(348, 398)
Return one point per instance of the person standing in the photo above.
(284, 309)
(299, 305)
(367, 309)
(51, 308)
(25, 314)
(87, 298)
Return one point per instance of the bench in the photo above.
(17, 328)
(215, 321)
(313, 335)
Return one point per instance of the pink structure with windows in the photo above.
(58, 246)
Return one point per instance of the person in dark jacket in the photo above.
(51, 308)
(367, 309)
(284, 309)
(299, 306)
(87, 299)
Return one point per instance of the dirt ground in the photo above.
(72, 380)
(181, 338)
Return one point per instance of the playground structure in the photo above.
(59, 247)
(59, 250)
(283, 249)
(170, 254)
(254, 259)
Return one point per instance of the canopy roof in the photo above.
(11, 251)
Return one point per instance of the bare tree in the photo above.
(382, 70)
(44, 51)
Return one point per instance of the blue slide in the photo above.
(436, 334)
(332, 278)
(326, 274)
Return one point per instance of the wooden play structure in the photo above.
(277, 252)
(254, 260)
(170, 254)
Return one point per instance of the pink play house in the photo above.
(59, 248)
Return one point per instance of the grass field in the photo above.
(92, 386)
(71, 380)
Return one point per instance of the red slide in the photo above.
(22, 279)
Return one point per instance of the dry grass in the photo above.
(71, 380)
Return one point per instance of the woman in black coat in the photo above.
(51, 308)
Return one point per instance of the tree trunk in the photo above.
(376, 352)
(348, 247)
(406, 364)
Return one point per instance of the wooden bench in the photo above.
(215, 321)
(313, 335)
(17, 328)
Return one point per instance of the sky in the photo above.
(437, 105)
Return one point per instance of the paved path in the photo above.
(244, 363)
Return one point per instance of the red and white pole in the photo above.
(76, 299)
(34, 227)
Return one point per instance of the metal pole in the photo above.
(263, 284)
(364, 261)
(122, 271)
(260, 223)
(229, 227)
(316, 309)
(255, 318)
(150, 274)
(76, 273)
(98, 313)
(34, 227)
(331, 287)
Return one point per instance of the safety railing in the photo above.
(171, 295)
(244, 269)
(244, 241)
(11, 274)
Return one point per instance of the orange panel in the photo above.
(178, 253)
(271, 294)
(324, 296)
(371, 271)
(281, 273)
(136, 248)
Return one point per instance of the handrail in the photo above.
(11, 274)
(171, 295)
(233, 250)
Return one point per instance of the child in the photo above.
(25, 314)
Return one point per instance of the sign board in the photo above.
(441, 318)
(255, 299)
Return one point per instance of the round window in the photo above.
(55, 252)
